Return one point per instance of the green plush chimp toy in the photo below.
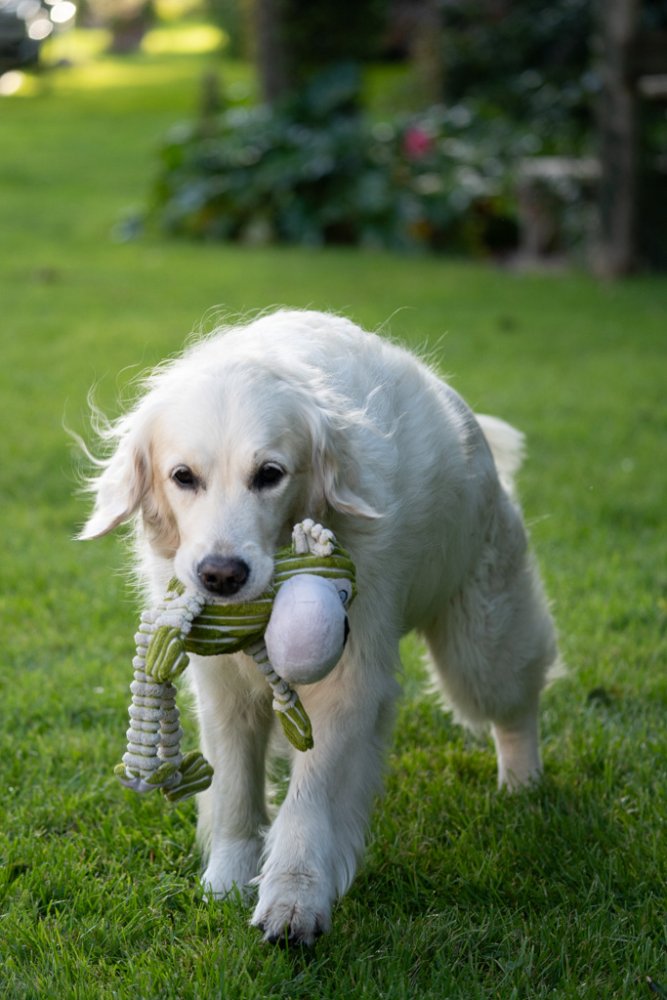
(295, 631)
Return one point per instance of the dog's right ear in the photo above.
(118, 490)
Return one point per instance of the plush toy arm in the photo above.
(166, 657)
(286, 702)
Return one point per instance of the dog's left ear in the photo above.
(118, 490)
(338, 494)
(336, 479)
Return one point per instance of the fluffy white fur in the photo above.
(374, 445)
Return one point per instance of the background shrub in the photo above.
(314, 169)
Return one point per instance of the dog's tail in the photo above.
(507, 446)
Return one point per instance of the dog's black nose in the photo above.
(223, 575)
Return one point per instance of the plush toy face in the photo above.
(306, 634)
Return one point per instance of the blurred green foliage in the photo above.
(315, 170)
(526, 60)
(316, 166)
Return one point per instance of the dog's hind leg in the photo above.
(518, 752)
(492, 647)
(480, 695)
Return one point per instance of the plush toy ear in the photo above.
(118, 491)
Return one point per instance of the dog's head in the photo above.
(219, 460)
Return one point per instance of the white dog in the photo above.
(303, 415)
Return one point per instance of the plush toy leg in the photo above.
(153, 756)
(195, 776)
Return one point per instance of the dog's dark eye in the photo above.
(267, 475)
(185, 478)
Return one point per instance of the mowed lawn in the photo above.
(464, 893)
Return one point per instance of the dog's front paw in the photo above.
(232, 865)
(293, 908)
(310, 538)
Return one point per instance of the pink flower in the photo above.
(416, 142)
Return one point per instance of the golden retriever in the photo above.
(300, 415)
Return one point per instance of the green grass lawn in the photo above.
(464, 893)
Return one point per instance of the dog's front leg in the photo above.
(235, 716)
(318, 835)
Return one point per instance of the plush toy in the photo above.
(295, 632)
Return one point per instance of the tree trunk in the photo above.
(619, 138)
(427, 52)
(271, 51)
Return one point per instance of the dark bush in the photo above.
(315, 170)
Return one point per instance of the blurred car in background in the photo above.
(25, 24)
